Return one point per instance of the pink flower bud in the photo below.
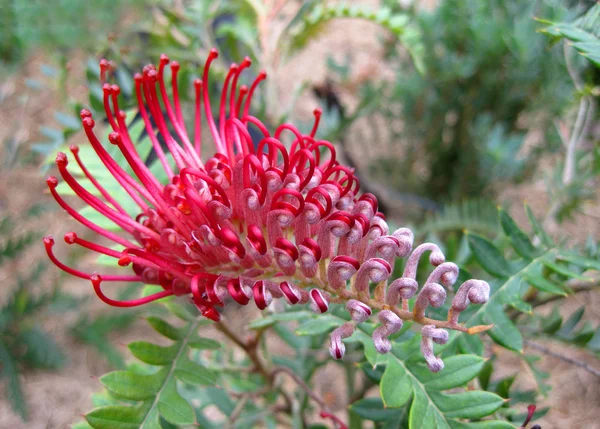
(375, 270)
(403, 288)
(319, 301)
(341, 269)
(432, 294)
(405, 238)
(337, 349)
(390, 324)
(430, 334)
(358, 311)
(471, 291)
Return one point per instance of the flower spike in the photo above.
(245, 223)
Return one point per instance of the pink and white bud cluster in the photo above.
(261, 218)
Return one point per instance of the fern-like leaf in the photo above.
(544, 267)
(313, 18)
(155, 394)
(478, 215)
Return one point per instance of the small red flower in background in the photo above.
(252, 222)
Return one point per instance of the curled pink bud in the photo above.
(340, 269)
(291, 293)
(436, 258)
(319, 301)
(286, 255)
(337, 349)
(432, 294)
(445, 273)
(378, 228)
(310, 255)
(390, 324)
(471, 291)
(403, 288)
(385, 246)
(262, 296)
(431, 334)
(337, 224)
(405, 239)
(375, 270)
(358, 311)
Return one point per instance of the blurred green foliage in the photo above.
(58, 25)
(489, 80)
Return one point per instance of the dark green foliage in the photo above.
(520, 268)
(95, 332)
(484, 68)
(24, 344)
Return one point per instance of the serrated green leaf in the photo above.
(488, 256)
(200, 343)
(567, 328)
(579, 260)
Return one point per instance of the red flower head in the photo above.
(252, 222)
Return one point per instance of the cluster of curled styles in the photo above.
(257, 220)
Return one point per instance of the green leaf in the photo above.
(162, 403)
(136, 387)
(537, 228)
(518, 238)
(373, 409)
(395, 387)
(41, 349)
(318, 325)
(266, 321)
(172, 407)
(152, 353)
(165, 329)
(488, 256)
(9, 373)
(537, 281)
(406, 376)
(458, 370)
(582, 33)
(117, 417)
(469, 405)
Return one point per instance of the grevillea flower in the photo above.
(256, 220)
